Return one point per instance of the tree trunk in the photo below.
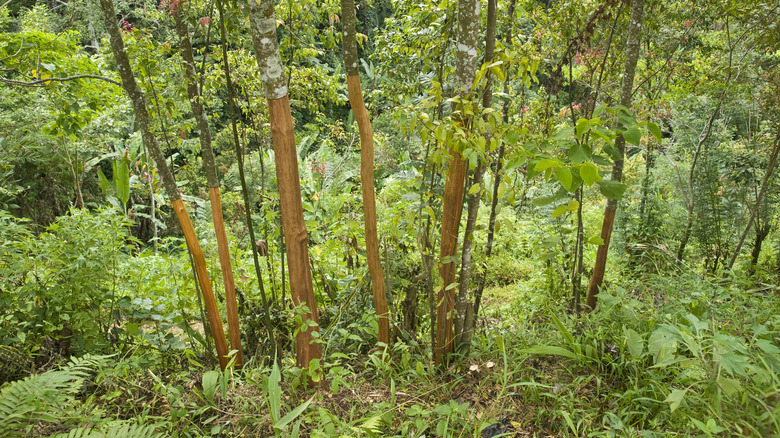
(286, 158)
(142, 117)
(496, 183)
(626, 90)
(366, 168)
(465, 69)
(210, 167)
(464, 306)
(770, 167)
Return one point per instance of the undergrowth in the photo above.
(660, 360)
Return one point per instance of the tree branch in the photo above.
(44, 82)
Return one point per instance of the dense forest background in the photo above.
(575, 229)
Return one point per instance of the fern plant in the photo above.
(117, 431)
(43, 398)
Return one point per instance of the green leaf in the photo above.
(292, 415)
(563, 175)
(675, 398)
(599, 109)
(104, 184)
(547, 200)
(579, 154)
(583, 125)
(589, 173)
(122, 179)
(210, 382)
(549, 350)
(274, 392)
(635, 343)
(596, 240)
(612, 189)
(474, 189)
(546, 163)
(654, 130)
(574, 205)
(632, 135)
(563, 134)
(560, 210)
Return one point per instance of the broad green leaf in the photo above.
(560, 210)
(599, 109)
(563, 175)
(563, 134)
(122, 179)
(574, 205)
(654, 130)
(612, 151)
(675, 398)
(546, 163)
(210, 382)
(596, 240)
(547, 200)
(474, 189)
(579, 154)
(501, 189)
(104, 184)
(274, 392)
(635, 343)
(612, 189)
(549, 350)
(292, 415)
(729, 385)
(632, 135)
(589, 173)
(583, 125)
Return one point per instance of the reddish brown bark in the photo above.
(210, 167)
(203, 280)
(130, 86)
(369, 206)
(601, 256)
(626, 92)
(295, 235)
(450, 222)
(227, 275)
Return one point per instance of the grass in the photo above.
(652, 361)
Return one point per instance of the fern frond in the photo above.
(117, 431)
(44, 397)
(373, 424)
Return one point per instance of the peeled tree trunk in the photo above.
(263, 21)
(366, 168)
(142, 118)
(465, 70)
(210, 166)
(626, 90)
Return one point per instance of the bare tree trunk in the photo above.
(626, 90)
(366, 168)
(210, 167)
(142, 117)
(465, 69)
(263, 23)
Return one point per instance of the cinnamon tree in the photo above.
(465, 70)
(136, 96)
(210, 167)
(263, 22)
(626, 92)
(366, 168)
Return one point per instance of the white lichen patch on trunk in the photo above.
(263, 21)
